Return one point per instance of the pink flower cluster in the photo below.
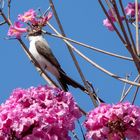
(113, 122)
(31, 18)
(130, 10)
(16, 30)
(28, 16)
(107, 23)
(38, 113)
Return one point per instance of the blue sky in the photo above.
(82, 21)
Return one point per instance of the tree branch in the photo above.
(9, 8)
(126, 43)
(93, 63)
(135, 94)
(2, 23)
(127, 25)
(128, 90)
(90, 47)
(72, 54)
(137, 28)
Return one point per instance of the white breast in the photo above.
(44, 63)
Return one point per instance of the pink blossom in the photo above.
(16, 30)
(48, 17)
(107, 23)
(42, 112)
(43, 20)
(113, 122)
(28, 16)
(130, 10)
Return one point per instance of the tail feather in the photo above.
(63, 83)
(65, 80)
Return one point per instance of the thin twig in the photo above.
(75, 135)
(63, 33)
(93, 63)
(44, 14)
(134, 24)
(129, 46)
(2, 4)
(82, 111)
(124, 87)
(71, 53)
(135, 95)
(131, 51)
(93, 91)
(116, 30)
(116, 15)
(127, 25)
(137, 28)
(90, 47)
(81, 129)
(9, 8)
(87, 92)
(5, 18)
(128, 90)
(118, 19)
(2, 23)
(121, 25)
(112, 11)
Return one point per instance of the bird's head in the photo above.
(33, 32)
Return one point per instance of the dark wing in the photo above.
(47, 53)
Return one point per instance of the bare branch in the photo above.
(127, 25)
(129, 47)
(124, 87)
(93, 63)
(90, 47)
(75, 135)
(5, 18)
(71, 52)
(9, 8)
(137, 28)
(122, 26)
(82, 111)
(126, 43)
(46, 11)
(2, 4)
(2, 23)
(81, 130)
(93, 92)
(128, 90)
(116, 30)
(135, 95)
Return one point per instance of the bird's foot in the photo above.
(40, 72)
(31, 61)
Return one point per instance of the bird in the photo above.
(42, 52)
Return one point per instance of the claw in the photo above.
(40, 72)
(31, 61)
